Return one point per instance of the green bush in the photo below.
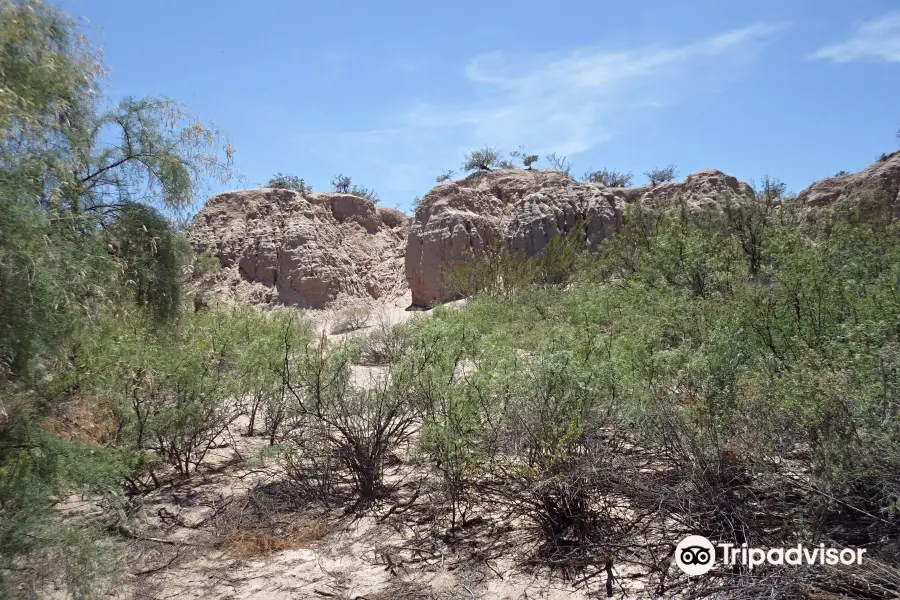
(747, 354)
(288, 182)
(661, 174)
(83, 241)
(481, 160)
(609, 178)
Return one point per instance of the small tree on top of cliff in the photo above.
(527, 159)
(364, 192)
(341, 184)
(662, 174)
(481, 160)
(609, 178)
(444, 177)
(559, 163)
(288, 182)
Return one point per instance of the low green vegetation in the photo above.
(609, 178)
(732, 371)
(481, 160)
(343, 184)
(662, 174)
(288, 182)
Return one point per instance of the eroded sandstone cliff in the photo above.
(307, 250)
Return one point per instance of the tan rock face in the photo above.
(280, 246)
(882, 178)
(520, 209)
(700, 188)
(523, 210)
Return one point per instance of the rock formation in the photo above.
(523, 210)
(307, 250)
(520, 209)
(310, 249)
(701, 188)
(879, 179)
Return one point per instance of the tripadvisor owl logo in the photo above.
(695, 555)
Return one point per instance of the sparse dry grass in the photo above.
(261, 540)
(81, 421)
(352, 318)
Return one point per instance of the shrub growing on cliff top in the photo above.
(481, 160)
(288, 182)
(364, 192)
(559, 163)
(609, 178)
(444, 177)
(343, 184)
(527, 159)
(662, 174)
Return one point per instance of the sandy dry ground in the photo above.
(237, 530)
(188, 549)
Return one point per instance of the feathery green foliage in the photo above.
(481, 160)
(80, 242)
(661, 174)
(609, 178)
(288, 182)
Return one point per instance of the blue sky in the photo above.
(395, 92)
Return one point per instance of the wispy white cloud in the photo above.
(564, 102)
(874, 40)
(572, 101)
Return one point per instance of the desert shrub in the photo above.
(552, 434)
(173, 392)
(481, 160)
(444, 177)
(263, 342)
(749, 221)
(288, 182)
(450, 438)
(84, 201)
(347, 433)
(446, 387)
(493, 271)
(559, 163)
(527, 159)
(692, 251)
(609, 178)
(168, 390)
(341, 183)
(384, 346)
(364, 192)
(661, 174)
(290, 334)
(352, 318)
(728, 371)
(205, 265)
(498, 271)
